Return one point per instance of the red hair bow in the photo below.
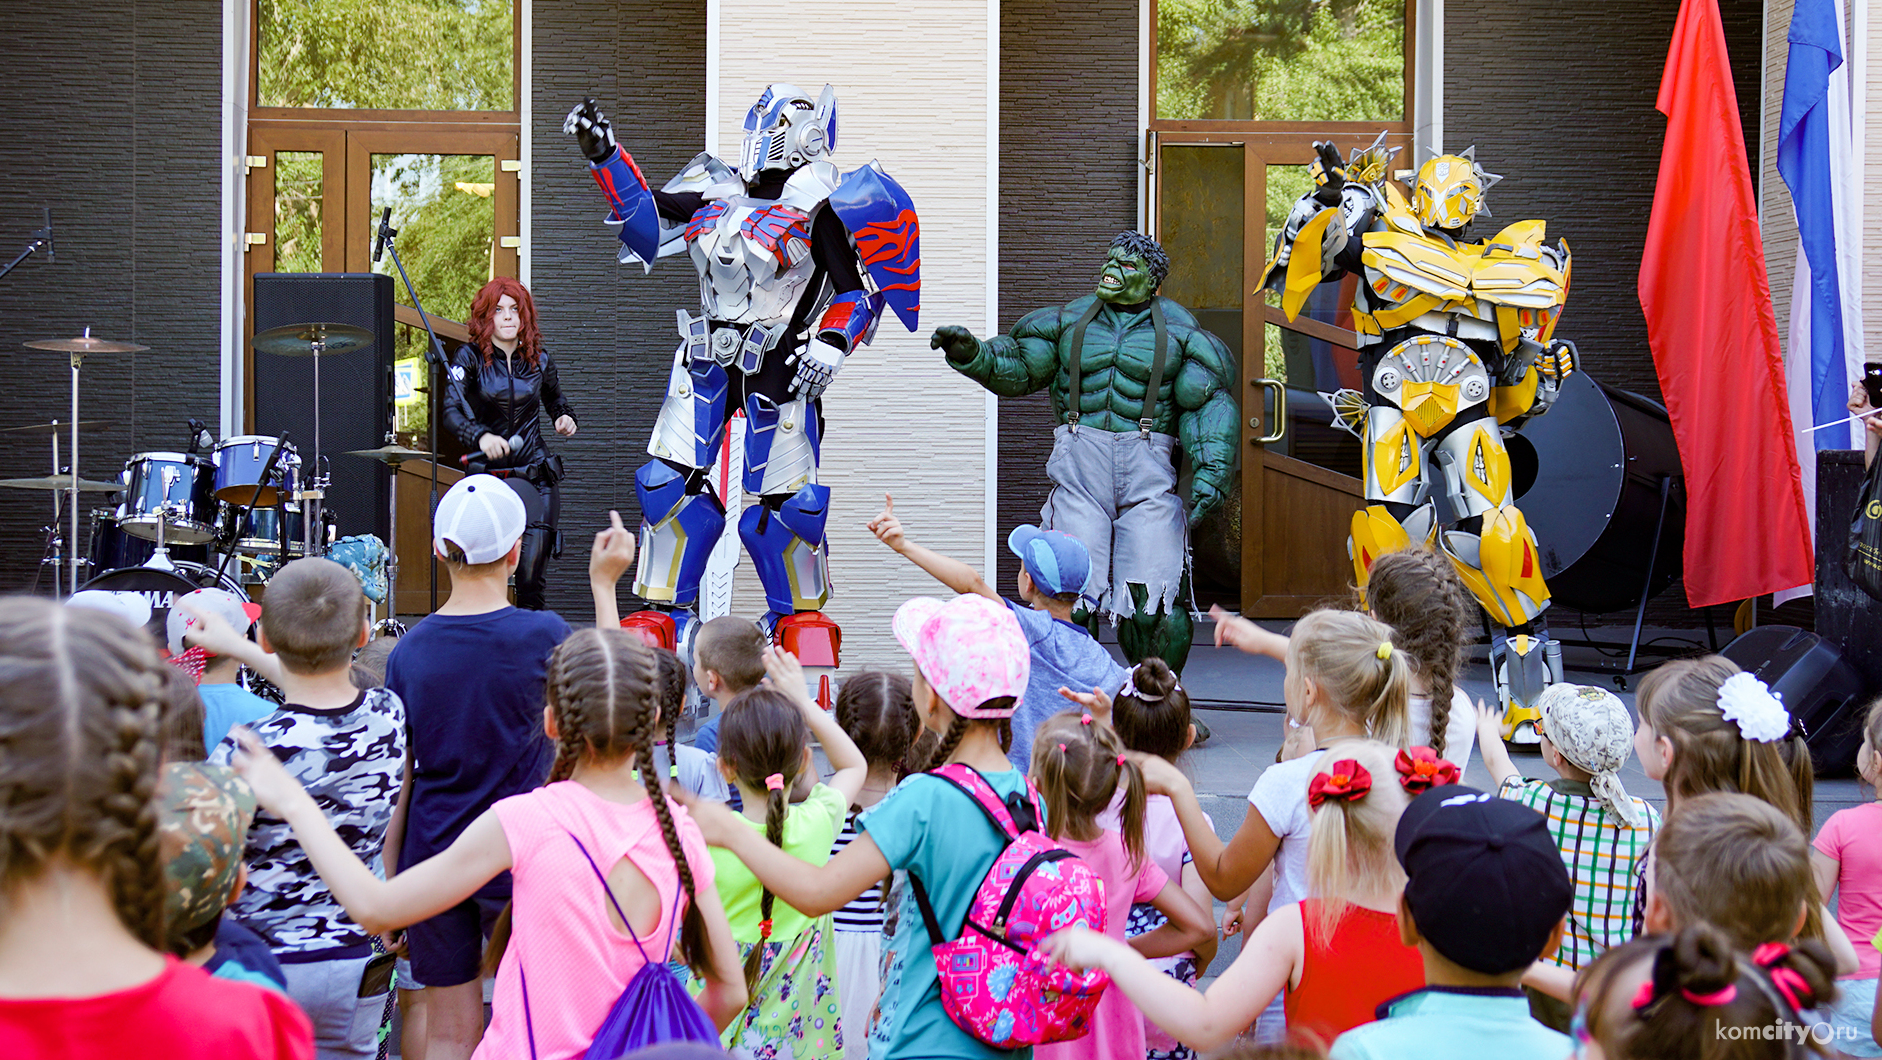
(1348, 781)
(1420, 769)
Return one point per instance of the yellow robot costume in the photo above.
(1455, 345)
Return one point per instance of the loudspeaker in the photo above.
(355, 388)
(1846, 616)
(1820, 689)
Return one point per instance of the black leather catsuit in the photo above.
(507, 398)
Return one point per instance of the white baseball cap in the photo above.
(237, 612)
(482, 516)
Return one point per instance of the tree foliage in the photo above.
(1281, 60)
(387, 54)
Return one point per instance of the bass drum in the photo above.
(111, 548)
(1587, 477)
(157, 588)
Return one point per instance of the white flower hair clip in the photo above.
(1757, 711)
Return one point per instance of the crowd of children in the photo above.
(492, 824)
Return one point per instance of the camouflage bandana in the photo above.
(203, 817)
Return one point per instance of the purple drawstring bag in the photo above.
(654, 1008)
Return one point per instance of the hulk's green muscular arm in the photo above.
(1012, 365)
(1208, 425)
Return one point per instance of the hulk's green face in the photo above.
(1126, 279)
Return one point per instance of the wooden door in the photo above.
(1281, 546)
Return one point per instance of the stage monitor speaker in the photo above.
(1846, 616)
(355, 388)
(1820, 689)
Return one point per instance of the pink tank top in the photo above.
(577, 961)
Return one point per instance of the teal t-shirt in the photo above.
(1454, 1023)
(932, 829)
(227, 705)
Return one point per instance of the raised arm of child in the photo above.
(1496, 757)
(612, 554)
(211, 633)
(1226, 868)
(812, 890)
(1185, 926)
(948, 571)
(1203, 1021)
(786, 675)
(1238, 632)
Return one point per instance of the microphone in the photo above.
(46, 234)
(379, 238)
(200, 438)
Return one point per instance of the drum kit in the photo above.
(182, 518)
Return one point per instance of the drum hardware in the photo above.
(56, 428)
(261, 482)
(77, 348)
(62, 484)
(392, 455)
(314, 340)
(174, 488)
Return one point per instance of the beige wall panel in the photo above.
(912, 90)
(1780, 223)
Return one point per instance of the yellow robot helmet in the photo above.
(1448, 191)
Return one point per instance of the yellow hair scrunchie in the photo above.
(1385, 650)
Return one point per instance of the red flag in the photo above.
(1714, 335)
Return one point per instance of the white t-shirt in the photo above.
(1460, 734)
(1280, 794)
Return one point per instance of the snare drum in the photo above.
(112, 548)
(239, 463)
(175, 488)
(258, 530)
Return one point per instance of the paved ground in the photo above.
(1244, 742)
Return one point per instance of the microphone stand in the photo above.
(42, 240)
(434, 358)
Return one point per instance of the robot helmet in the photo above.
(786, 128)
(1448, 191)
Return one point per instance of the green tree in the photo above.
(387, 54)
(1281, 60)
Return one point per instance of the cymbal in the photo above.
(297, 340)
(61, 482)
(84, 344)
(55, 427)
(391, 454)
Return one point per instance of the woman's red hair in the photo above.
(483, 314)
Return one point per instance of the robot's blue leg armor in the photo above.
(786, 547)
(691, 424)
(781, 445)
(677, 532)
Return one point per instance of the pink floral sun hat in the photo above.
(970, 650)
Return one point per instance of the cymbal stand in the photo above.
(434, 357)
(313, 531)
(72, 553)
(160, 559)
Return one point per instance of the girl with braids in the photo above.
(1081, 768)
(1333, 957)
(1416, 592)
(971, 664)
(876, 709)
(81, 874)
(790, 957)
(577, 949)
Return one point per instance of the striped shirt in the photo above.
(1601, 853)
(864, 912)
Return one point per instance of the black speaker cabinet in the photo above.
(1846, 616)
(1819, 687)
(355, 388)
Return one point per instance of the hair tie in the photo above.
(1120, 761)
(775, 782)
(1769, 953)
(764, 929)
(1061, 748)
(1348, 781)
(1722, 996)
(1758, 712)
(1130, 687)
(1792, 985)
(1085, 718)
(1384, 651)
(1643, 997)
(1420, 769)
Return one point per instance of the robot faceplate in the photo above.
(786, 128)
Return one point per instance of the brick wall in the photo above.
(112, 121)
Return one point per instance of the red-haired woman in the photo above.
(497, 388)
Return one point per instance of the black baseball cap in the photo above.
(1484, 879)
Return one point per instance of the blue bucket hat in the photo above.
(1057, 562)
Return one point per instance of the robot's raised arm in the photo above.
(1314, 241)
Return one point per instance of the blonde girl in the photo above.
(81, 876)
(1080, 766)
(1335, 956)
(594, 816)
(1847, 857)
(795, 1007)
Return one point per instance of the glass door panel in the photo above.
(299, 210)
(444, 209)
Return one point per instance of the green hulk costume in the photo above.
(1113, 466)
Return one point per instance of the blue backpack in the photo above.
(654, 1007)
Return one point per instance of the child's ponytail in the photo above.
(1355, 800)
(1417, 592)
(1151, 712)
(1080, 764)
(776, 806)
(763, 738)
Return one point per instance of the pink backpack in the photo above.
(993, 983)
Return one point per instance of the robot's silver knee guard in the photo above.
(677, 532)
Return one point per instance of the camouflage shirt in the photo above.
(351, 760)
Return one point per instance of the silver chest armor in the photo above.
(754, 257)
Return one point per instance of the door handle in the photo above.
(1280, 411)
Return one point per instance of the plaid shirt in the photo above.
(1601, 853)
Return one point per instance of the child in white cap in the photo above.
(1602, 831)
